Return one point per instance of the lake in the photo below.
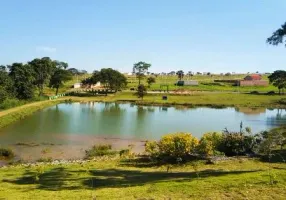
(82, 124)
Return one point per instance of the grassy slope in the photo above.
(236, 179)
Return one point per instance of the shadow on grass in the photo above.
(125, 178)
(62, 179)
(278, 156)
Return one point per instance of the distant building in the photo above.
(253, 77)
(253, 80)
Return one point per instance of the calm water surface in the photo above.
(72, 123)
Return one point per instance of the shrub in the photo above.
(178, 144)
(270, 93)
(236, 143)
(282, 101)
(209, 143)
(152, 148)
(6, 153)
(254, 92)
(100, 150)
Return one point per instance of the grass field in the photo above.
(114, 179)
(206, 83)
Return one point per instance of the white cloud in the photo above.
(46, 49)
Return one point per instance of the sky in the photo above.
(190, 35)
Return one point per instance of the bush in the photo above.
(6, 153)
(282, 101)
(254, 92)
(209, 143)
(271, 93)
(172, 147)
(236, 143)
(178, 144)
(100, 150)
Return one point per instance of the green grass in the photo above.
(202, 79)
(195, 99)
(111, 179)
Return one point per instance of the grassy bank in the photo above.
(17, 113)
(195, 99)
(114, 179)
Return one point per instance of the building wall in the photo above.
(253, 83)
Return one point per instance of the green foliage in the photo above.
(210, 143)
(6, 153)
(43, 69)
(140, 69)
(141, 91)
(23, 78)
(99, 150)
(277, 36)
(59, 77)
(110, 78)
(180, 74)
(237, 143)
(278, 79)
(173, 147)
(150, 80)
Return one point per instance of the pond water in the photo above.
(76, 123)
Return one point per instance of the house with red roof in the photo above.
(253, 80)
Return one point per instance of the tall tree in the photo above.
(43, 69)
(278, 36)
(278, 79)
(23, 78)
(58, 78)
(140, 69)
(180, 74)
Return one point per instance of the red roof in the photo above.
(253, 77)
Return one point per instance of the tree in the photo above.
(141, 91)
(140, 69)
(23, 79)
(43, 69)
(6, 84)
(74, 71)
(180, 74)
(110, 78)
(150, 80)
(59, 77)
(190, 73)
(278, 79)
(277, 36)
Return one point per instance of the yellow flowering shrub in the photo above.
(151, 148)
(177, 144)
(209, 143)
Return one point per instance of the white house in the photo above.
(77, 85)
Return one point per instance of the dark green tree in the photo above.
(150, 80)
(141, 91)
(43, 69)
(23, 79)
(58, 78)
(278, 79)
(140, 69)
(278, 36)
(180, 74)
(109, 78)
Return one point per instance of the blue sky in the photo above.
(192, 35)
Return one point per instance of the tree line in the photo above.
(24, 81)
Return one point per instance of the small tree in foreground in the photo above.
(278, 79)
(141, 91)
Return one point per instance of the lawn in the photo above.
(239, 178)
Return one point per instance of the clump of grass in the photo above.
(100, 150)
(49, 159)
(6, 153)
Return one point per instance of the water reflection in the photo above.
(65, 121)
